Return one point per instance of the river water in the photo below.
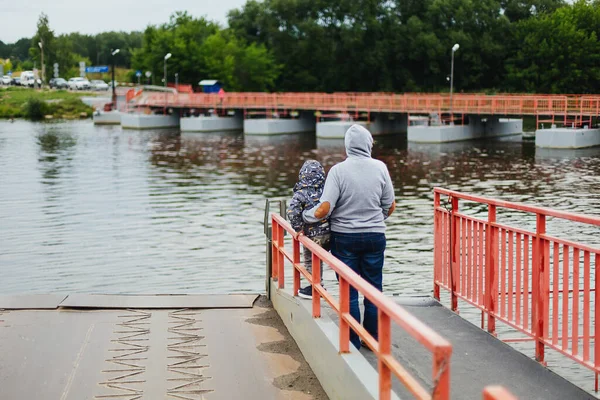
(105, 210)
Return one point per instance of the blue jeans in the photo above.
(363, 252)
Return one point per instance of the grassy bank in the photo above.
(18, 102)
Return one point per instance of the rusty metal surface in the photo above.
(67, 354)
(158, 301)
(31, 301)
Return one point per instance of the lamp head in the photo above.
(455, 47)
(167, 56)
(115, 51)
(40, 44)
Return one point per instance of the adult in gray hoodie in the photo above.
(358, 197)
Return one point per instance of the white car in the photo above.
(5, 80)
(79, 84)
(98, 85)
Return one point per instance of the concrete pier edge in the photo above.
(343, 376)
(567, 138)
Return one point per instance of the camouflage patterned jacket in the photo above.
(307, 193)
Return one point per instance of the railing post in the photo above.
(455, 253)
(296, 261)
(280, 258)
(316, 280)
(437, 243)
(441, 373)
(540, 291)
(385, 349)
(274, 250)
(344, 310)
(491, 262)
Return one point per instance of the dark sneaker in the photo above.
(305, 293)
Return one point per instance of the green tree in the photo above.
(45, 36)
(201, 50)
(559, 52)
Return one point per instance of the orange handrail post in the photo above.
(296, 272)
(497, 393)
(316, 280)
(454, 254)
(274, 252)
(491, 269)
(437, 248)
(538, 294)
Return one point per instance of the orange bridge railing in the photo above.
(543, 286)
(549, 108)
(389, 312)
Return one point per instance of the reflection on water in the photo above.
(98, 209)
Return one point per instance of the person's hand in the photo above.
(298, 234)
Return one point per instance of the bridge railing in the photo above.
(414, 103)
(542, 286)
(388, 312)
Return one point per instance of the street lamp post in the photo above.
(167, 56)
(177, 81)
(41, 44)
(454, 49)
(114, 92)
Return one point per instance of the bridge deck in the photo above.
(151, 347)
(478, 359)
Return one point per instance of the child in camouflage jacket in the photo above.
(307, 193)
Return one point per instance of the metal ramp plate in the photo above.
(159, 301)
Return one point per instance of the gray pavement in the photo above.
(230, 348)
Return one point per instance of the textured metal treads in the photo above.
(185, 364)
(124, 380)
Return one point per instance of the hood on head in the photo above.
(358, 141)
(312, 174)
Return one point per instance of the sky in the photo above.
(18, 19)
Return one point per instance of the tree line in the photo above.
(542, 46)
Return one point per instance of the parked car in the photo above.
(59, 83)
(5, 80)
(98, 85)
(79, 84)
(17, 81)
(27, 77)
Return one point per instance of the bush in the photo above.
(35, 109)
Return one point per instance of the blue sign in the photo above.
(101, 68)
(9, 73)
(138, 73)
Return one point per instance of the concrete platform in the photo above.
(567, 138)
(243, 353)
(278, 126)
(382, 125)
(211, 124)
(478, 359)
(475, 129)
(107, 118)
(149, 121)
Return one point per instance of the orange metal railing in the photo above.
(541, 285)
(547, 106)
(387, 309)
(388, 312)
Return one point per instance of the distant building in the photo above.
(211, 86)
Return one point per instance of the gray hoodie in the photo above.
(359, 190)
